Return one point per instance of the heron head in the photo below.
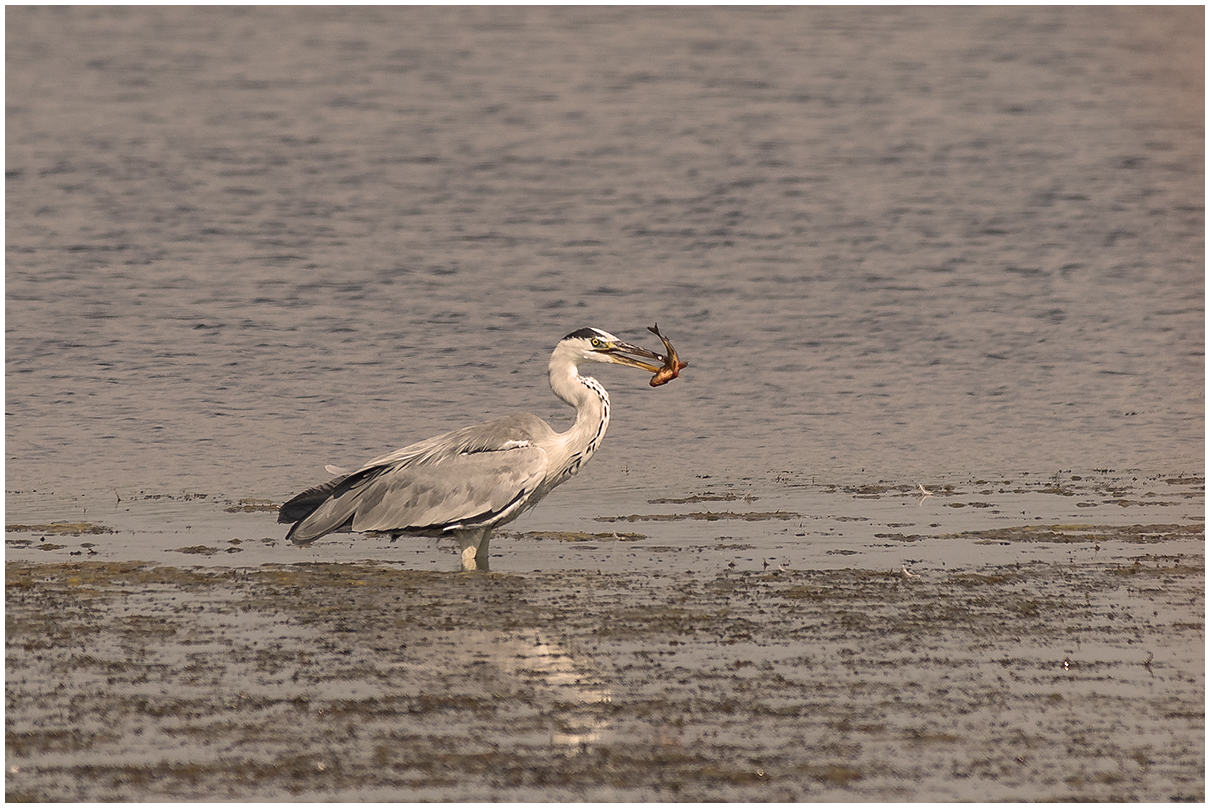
(595, 345)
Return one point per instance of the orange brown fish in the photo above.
(673, 365)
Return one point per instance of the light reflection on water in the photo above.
(245, 244)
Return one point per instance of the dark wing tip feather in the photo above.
(303, 505)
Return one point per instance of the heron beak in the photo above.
(617, 354)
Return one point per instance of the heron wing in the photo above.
(503, 433)
(465, 491)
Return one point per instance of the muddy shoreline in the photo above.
(1054, 679)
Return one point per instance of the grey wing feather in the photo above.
(474, 477)
(464, 491)
(502, 433)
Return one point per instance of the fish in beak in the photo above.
(673, 364)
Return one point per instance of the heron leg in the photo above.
(481, 555)
(468, 558)
(472, 545)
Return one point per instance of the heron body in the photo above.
(466, 483)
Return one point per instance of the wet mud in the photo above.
(1053, 679)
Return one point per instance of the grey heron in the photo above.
(466, 483)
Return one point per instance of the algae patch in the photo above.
(704, 516)
(250, 505)
(61, 528)
(573, 536)
(1065, 534)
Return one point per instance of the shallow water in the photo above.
(961, 249)
(246, 243)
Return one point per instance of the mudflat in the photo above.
(1067, 677)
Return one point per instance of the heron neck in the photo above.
(592, 416)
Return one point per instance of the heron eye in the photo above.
(596, 343)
